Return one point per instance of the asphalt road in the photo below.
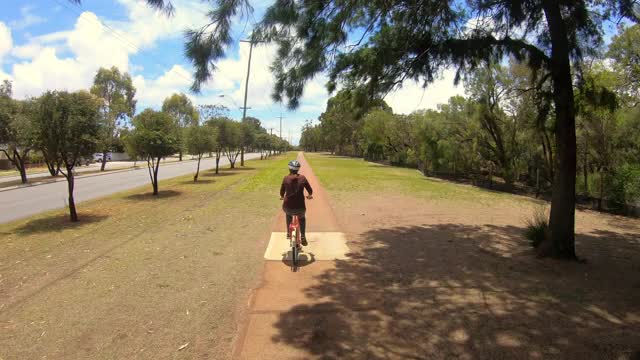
(23, 202)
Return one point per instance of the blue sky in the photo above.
(53, 44)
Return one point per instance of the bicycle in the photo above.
(295, 241)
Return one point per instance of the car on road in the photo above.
(98, 157)
(86, 161)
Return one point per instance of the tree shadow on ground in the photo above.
(242, 168)
(200, 181)
(471, 292)
(162, 194)
(58, 223)
(213, 174)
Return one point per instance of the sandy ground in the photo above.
(139, 277)
(438, 279)
(435, 280)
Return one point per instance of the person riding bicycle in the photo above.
(292, 192)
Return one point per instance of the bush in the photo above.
(537, 227)
(626, 184)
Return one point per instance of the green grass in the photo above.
(356, 175)
(269, 179)
(13, 172)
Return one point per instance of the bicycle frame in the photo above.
(295, 241)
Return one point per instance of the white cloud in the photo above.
(412, 96)
(68, 59)
(95, 43)
(145, 26)
(6, 41)
(154, 91)
(28, 19)
(27, 51)
(43, 69)
(261, 80)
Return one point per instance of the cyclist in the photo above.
(292, 192)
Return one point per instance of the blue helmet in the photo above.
(294, 165)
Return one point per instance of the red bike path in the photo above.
(266, 331)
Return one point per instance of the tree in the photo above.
(247, 136)
(342, 119)
(6, 89)
(625, 53)
(184, 115)
(154, 137)
(117, 91)
(201, 139)
(217, 123)
(230, 136)
(596, 105)
(262, 143)
(254, 124)
(414, 41)
(208, 112)
(67, 126)
(491, 87)
(129, 146)
(16, 130)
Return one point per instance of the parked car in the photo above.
(86, 161)
(98, 157)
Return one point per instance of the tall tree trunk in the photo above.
(52, 168)
(23, 174)
(72, 204)
(195, 178)
(585, 171)
(155, 177)
(562, 215)
(104, 161)
(180, 156)
(19, 161)
(242, 157)
(217, 163)
(601, 197)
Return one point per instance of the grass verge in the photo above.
(138, 275)
(352, 175)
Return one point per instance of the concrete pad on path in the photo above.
(322, 246)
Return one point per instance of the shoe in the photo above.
(304, 241)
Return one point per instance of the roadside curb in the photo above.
(17, 187)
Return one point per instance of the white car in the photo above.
(98, 157)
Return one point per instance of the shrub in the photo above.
(537, 227)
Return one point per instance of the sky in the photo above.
(56, 45)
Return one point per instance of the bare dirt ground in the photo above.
(433, 278)
(139, 277)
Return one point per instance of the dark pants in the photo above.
(301, 218)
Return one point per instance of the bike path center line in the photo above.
(322, 246)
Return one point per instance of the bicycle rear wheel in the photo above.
(294, 247)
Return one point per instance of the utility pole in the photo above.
(280, 125)
(246, 90)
